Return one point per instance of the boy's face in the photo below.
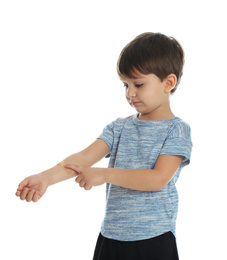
(148, 95)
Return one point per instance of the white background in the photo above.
(59, 88)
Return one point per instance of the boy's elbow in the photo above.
(158, 184)
(155, 186)
(161, 186)
(162, 183)
(158, 187)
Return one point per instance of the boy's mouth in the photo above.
(135, 103)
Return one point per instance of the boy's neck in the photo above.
(156, 116)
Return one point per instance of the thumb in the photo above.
(73, 167)
(23, 184)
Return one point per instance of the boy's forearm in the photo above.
(85, 158)
(58, 173)
(146, 179)
(138, 179)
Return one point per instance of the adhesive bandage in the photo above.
(69, 171)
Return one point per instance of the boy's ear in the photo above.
(170, 81)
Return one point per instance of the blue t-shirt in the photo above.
(135, 144)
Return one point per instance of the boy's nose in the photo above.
(131, 92)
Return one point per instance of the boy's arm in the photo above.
(34, 187)
(147, 179)
(85, 158)
(136, 179)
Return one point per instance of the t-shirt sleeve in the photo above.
(107, 136)
(179, 142)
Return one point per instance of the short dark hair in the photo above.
(152, 53)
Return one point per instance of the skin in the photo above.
(149, 95)
(150, 98)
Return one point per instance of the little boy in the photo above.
(147, 152)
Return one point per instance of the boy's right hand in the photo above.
(32, 188)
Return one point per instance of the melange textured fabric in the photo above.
(133, 215)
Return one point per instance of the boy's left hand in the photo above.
(88, 177)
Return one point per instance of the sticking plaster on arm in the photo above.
(69, 171)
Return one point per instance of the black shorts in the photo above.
(162, 247)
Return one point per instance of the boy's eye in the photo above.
(136, 85)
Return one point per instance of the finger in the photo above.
(82, 183)
(18, 193)
(24, 194)
(30, 195)
(87, 187)
(36, 197)
(78, 178)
